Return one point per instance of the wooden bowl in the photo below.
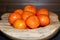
(42, 33)
(5, 16)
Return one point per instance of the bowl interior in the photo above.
(39, 33)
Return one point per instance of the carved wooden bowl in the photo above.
(42, 33)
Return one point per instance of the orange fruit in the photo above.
(44, 20)
(33, 22)
(26, 14)
(30, 8)
(19, 24)
(20, 11)
(27, 28)
(12, 17)
(43, 11)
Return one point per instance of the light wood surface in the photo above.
(42, 33)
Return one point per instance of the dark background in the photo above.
(11, 5)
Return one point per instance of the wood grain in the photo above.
(42, 33)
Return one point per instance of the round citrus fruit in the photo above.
(26, 14)
(19, 24)
(20, 11)
(43, 11)
(33, 22)
(13, 16)
(44, 20)
(30, 8)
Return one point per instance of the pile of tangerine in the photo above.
(29, 17)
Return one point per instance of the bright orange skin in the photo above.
(19, 24)
(25, 15)
(33, 22)
(44, 20)
(43, 11)
(20, 11)
(13, 16)
(30, 8)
